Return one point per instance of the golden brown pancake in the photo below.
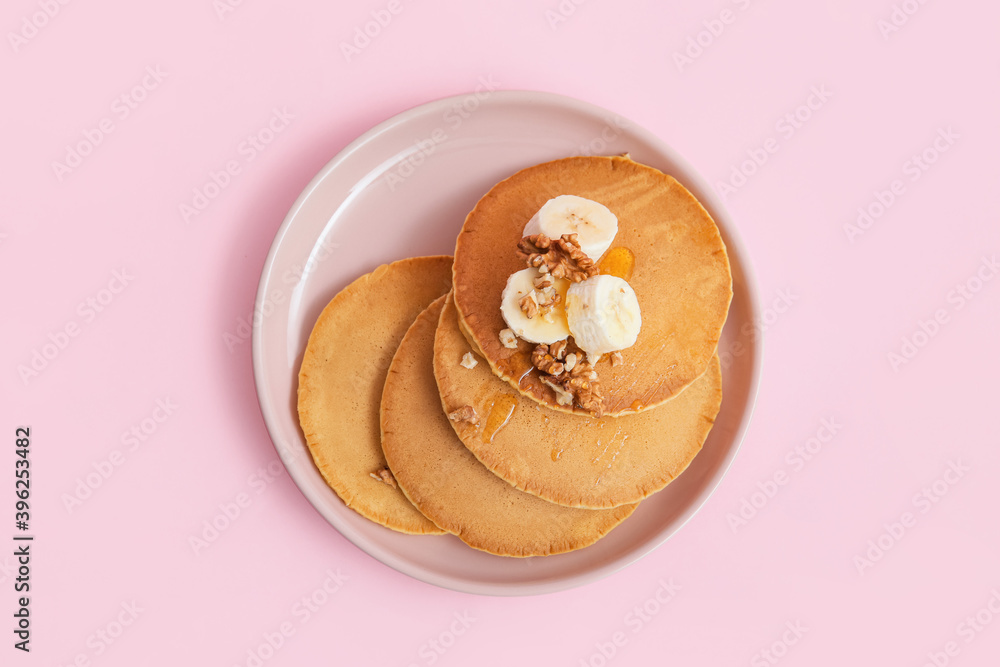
(568, 459)
(680, 275)
(449, 485)
(341, 379)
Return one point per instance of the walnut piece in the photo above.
(569, 374)
(543, 358)
(582, 382)
(563, 397)
(508, 339)
(469, 361)
(543, 281)
(466, 413)
(570, 362)
(616, 359)
(528, 304)
(384, 476)
(561, 258)
(541, 300)
(547, 298)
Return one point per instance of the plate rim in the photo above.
(693, 181)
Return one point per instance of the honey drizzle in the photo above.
(500, 413)
(618, 262)
(516, 365)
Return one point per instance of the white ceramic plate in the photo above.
(402, 190)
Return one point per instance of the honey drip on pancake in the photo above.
(618, 262)
(500, 413)
(517, 365)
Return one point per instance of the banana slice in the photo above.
(547, 323)
(603, 315)
(593, 223)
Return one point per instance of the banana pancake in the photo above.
(667, 247)
(569, 459)
(341, 379)
(446, 482)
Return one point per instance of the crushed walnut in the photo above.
(616, 359)
(508, 339)
(563, 397)
(561, 258)
(466, 413)
(543, 281)
(571, 360)
(528, 304)
(569, 373)
(469, 361)
(542, 300)
(549, 358)
(384, 476)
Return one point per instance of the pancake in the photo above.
(568, 459)
(680, 275)
(341, 379)
(446, 482)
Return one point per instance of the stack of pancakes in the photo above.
(524, 476)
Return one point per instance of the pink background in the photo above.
(850, 300)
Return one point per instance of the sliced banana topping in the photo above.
(593, 223)
(603, 315)
(533, 306)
